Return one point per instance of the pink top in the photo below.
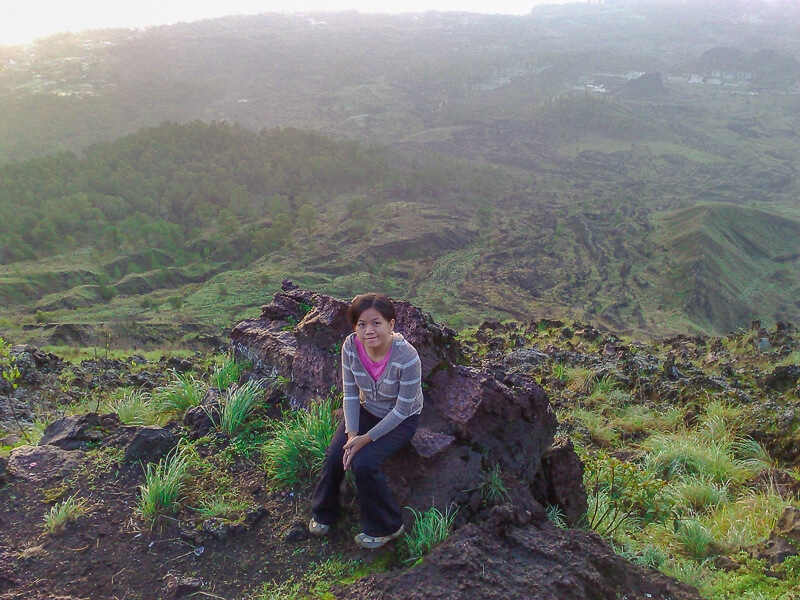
(375, 369)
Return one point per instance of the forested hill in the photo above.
(165, 186)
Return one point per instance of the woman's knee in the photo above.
(363, 463)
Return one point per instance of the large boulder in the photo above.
(497, 560)
(40, 463)
(143, 444)
(472, 422)
(78, 432)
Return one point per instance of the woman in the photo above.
(382, 380)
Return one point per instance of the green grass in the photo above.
(238, 405)
(493, 489)
(57, 518)
(679, 455)
(695, 539)
(134, 407)
(430, 529)
(165, 483)
(299, 442)
(227, 373)
(183, 392)
(225, 505)
(314, 584)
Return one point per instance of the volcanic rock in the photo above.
(77, 432)
(471, 423)
(520, 563)
(179, 586)
(38, 463)
(561, 482)
(150, 444)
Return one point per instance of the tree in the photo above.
(10, 374)
(306, 215)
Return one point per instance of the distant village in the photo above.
(32, 73)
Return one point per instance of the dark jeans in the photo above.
(380, 514)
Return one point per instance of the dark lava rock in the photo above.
(526, 563)
(471, 421)
(150, 444)
(77, 432)
(308, 354)
(776, 481)
(3, 471)
(298, 533)
(783, 540)
(200, 420)
(783, 378)
(39, 463)
(179, 365)
(561, 482)
(179, 586)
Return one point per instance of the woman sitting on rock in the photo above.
(381, 373)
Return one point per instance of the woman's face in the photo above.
(373, 329)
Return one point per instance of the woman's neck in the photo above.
(378, 354)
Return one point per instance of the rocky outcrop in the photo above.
(472, 422)
(78, 432)
(499, 560)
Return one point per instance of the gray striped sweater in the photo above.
(395, 396)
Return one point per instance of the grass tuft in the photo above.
(63, 513)
(238, 405)
(165, 483)
(299, 442)
(183, 392)
(493, 490)
(134, 407)
(695, 539)
(226, 374)
(430, 529)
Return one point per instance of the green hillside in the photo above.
(731, 263)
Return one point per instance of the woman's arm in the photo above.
(410, 388)
(351, 402)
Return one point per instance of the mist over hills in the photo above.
(642, 164)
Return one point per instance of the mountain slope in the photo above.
(730, 263)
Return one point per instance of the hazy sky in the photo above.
(26, 20)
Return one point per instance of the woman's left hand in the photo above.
(353, 446)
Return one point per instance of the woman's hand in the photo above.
(353, 445)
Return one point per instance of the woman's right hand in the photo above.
(346, 458)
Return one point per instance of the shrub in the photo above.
(238, 405)
(65, 512)
(164, 483)
(299, 442)
(619, 493)
(175, 302)
(430, 529)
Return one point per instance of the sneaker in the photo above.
(315, 528)
(372, 542)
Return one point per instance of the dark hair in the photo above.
(366, 301)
